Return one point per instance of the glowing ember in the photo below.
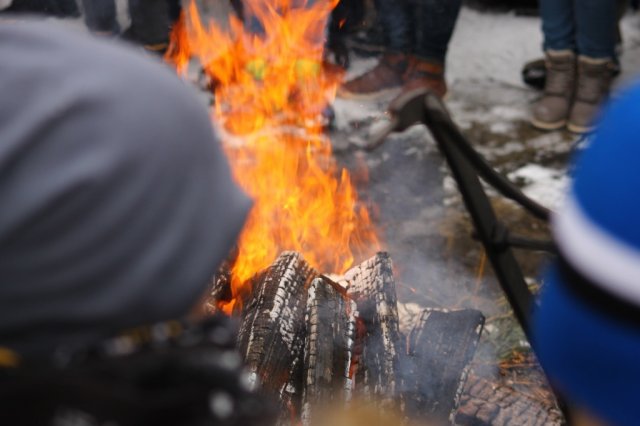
(270, 91)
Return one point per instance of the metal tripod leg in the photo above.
(490, 231)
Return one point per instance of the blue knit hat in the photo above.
(587, 327)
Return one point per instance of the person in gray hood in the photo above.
(116, 201)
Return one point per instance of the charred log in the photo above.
(489, 404)
(441, 347)
(372, 287)
(220, 290)
(331, 321)
(272, 330)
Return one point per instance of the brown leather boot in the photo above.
(384, 78)
(425, 74)
(594, 82)
(551, 112)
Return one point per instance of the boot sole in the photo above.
(345, 94)
(542, 125)
(579, 130)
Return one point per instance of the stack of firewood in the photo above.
(312, 341)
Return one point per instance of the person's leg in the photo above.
(558, 24)
(534, 72)
(346, 16)
(434, 24)
(59, 8)
(67, 8)
(151, 22)
(596, 40)
(175, 8)
(559, 30)
(394, 17)
(389, 74)
(100, 16)
(596, 28)
(238, 8)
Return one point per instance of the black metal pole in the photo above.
(489, 229)
(467, 166)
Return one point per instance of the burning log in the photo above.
(220, 290)
(488, 404)
(372, 286)
(312, 342)
(441, 347)
(272, 330)
(331, 323)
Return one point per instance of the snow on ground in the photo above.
(489, 101)
(543, 184)
(492, 46)
(417, 202)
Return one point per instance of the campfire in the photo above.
(313, 341)
(316, 330)
(270, 91)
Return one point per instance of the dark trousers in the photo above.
(420, 27)
(587, 27)
(151, 20)
(238, 8)
(61, 8)
(100, 15)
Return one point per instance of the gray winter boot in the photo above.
(551, 112)
(594, 82)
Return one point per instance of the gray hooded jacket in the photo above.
(116, 201)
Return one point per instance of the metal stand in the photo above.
(467, 167)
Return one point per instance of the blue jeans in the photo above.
(587, 27)
(420, 27)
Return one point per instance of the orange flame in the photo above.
(270, 91)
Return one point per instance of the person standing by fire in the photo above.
(587, 326)
(117, 207)
(579, 42)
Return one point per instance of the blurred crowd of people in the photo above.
(118, 206)
(580, 40)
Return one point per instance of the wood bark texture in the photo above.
(440, 350)
(372, 287)
(330, 321)
(272, 330)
